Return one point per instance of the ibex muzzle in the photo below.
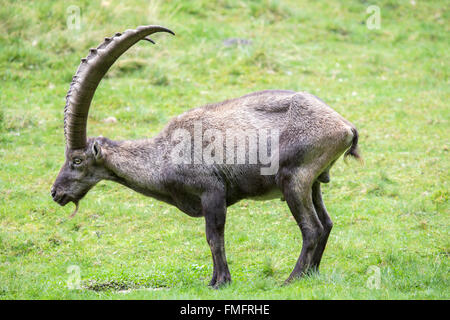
(310, 138)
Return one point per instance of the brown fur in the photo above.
(312, 136)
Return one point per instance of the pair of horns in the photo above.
(89, 74)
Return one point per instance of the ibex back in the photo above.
(263, 145)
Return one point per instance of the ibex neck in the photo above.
(137, 164)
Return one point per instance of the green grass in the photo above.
(391, 213)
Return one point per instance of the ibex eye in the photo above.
(76, 161)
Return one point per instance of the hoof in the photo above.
(216, 284)
(299, 275)
(289, 280)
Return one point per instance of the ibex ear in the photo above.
(97, 150)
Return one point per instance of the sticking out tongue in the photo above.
(75, 211)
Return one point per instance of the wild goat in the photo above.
(286, 143)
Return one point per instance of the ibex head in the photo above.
(81, 171)
(83, 166)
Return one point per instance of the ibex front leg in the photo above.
(214, 209)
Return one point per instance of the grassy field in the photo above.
(391, 215)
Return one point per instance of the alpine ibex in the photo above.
(193, 175)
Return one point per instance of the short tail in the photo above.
(354, 150)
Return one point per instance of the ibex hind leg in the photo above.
(327, 224)
(296, 185)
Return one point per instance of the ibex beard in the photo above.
(264, 145)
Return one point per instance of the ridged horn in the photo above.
(89, 74)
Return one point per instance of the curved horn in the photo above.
(89, 74)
